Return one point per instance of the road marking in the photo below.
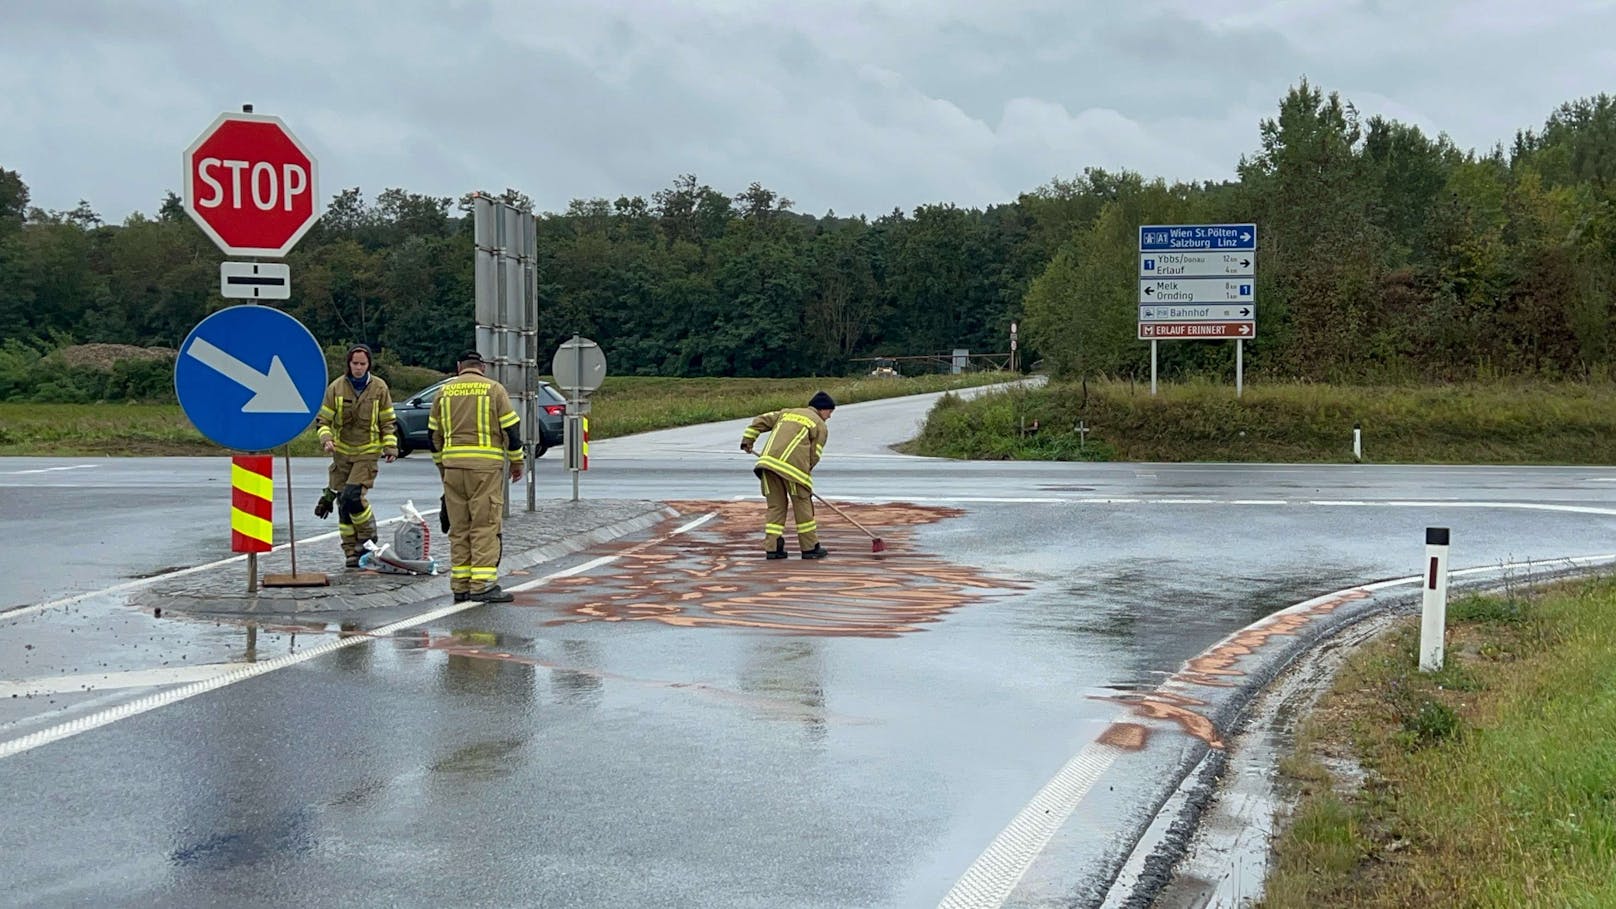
(253, 670)
(49, 469)
(108, 681)
(994, 875)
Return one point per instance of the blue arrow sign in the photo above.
(1167, 237)
(250, 377)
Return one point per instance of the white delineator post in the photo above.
(1434, 613)
(1357, 441)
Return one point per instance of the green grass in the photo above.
(623, 405)
(1481, 423)
(1499, 792)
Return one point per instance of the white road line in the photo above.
(108, 681)
(253, 670)
(994, 875)
(49, 469)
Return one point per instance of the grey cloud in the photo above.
(856, 105)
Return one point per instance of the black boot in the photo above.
(779, 550)
(818, 552)
(493, 594)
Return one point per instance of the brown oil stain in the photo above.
(1217, 668)
(715, 576)
(1127, 736)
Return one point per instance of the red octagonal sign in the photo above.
(251, 185)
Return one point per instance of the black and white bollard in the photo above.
(1357, 442)
(1434, 614)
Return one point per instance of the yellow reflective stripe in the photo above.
(474, 451)
(509, 420)
(460, 571)
(387, 413)
(751, 434)
(483, 573)
(254, 484)
(807, 525)
(774, 528)
(785, 469)
(349, 449)
(251, 526)
(361, 517)
(792, 445)
(327, 412)
(819, 451)
(796, 418)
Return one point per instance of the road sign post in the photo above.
(578, 368)
(1198, 281)
(251, 378)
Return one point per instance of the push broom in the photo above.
(876, 544)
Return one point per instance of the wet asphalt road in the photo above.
(593, 745)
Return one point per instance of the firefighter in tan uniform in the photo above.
(474, 431)
(356, 427)
(797, 439)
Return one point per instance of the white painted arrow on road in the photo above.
(272, 393)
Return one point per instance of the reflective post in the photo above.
(1434, 610)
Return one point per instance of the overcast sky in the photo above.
(858, 106)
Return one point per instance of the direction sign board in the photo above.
(251, 186)
(1197, 290)
(1184, 237)
(1235, 312)
(1197, 264)
(1156, 331)
(255, 280)
(250, 377)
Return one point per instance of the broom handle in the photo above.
(847, 516)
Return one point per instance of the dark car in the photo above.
(413, 412)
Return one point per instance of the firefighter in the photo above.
(356, 427)
(474, 431)
(797, 439)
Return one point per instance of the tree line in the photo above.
(1383, 251)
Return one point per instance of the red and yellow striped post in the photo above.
(252, 497)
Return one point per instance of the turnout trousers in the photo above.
(475, 501)
(779, 492)
(356, 523)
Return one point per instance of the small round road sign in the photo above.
(579, 365)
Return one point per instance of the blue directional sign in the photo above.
(1214, 237)
(250, 377)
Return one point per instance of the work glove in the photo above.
(747, 447)
(322, 508)
(443, 514)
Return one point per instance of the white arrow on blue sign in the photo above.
(250, 377)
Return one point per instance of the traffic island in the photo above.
(552, 530)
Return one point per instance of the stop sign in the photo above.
(251, 185)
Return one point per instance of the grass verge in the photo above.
(1489, 784)
(622, 406)
(1476, 423)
